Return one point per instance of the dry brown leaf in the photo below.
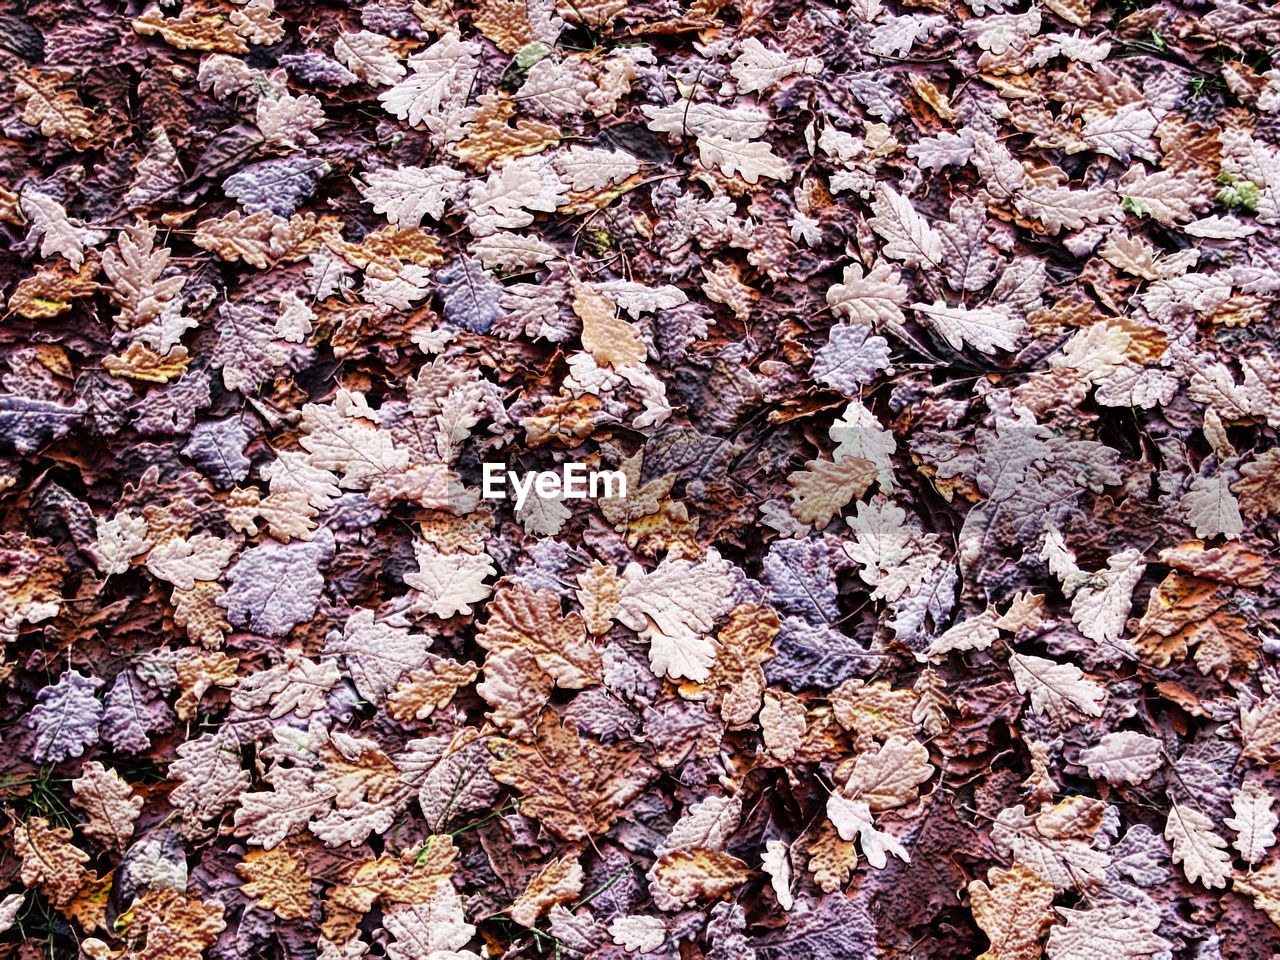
(560, 881)
(412, 878)
(49, 859)
(1259, 485)
(782, 723)
(931, 709)
(278, 880)
(600, 593)
(1264, 887)
(1014, 910)
(422, 692)
(50, 292)
(55, 110)
(505, 22)
(593, 13)
(492, 139)
(89, 906)
(573, 786)
(746, 642)
(1074, 818)
(1174, 608)
(201, 26)
(684, 876)
(197, 609)
(109, 802)
(533, 620)
(824, 488)
(517, 689)
(197, 675)
(890, 776)
(611, 340)
(142, 363)
(873, 709)
(831, 860)
(175, 926)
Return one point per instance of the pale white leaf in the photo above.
(368, 55)
(852, 819)
(1123, 756)
(758, 68)
(1055, 688)
(674, 609)
(1254, 823)
(1195, 845)
(749, 159)
(986, 328)
(1101, 604)
(639, 934)
(1111, 930)
(1212, 508)
(590, 168)
(778, 867)
(449, 582)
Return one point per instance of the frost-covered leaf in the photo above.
(1101, 604)
(441, 77)
(376, 654)
(1254, 823)
(875, 298)
(1197, 847)
(851, 358)
(986, 328)
(406, 194)
(66, 717)
(109, 803)
(908, 236)
(1056, 688)
(1124, 756)
(1110, 929)
(369, 57)
(276, 186)
(471, 295)
(449, 583)
(276, 586)
(759, 68)
(673, 608)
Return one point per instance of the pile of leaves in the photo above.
(936, 341)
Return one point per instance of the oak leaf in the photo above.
(1109, 929)
(423, 691)
(1056, 688)
(109, 802)
(1014, 911)
(175, 926)
(825, 487)
(1254, 823)
(1196, 846)
(573, 787)
(560, 881)
(890, 776)
(684, 876)
(532, 619)
(278, 880)
(49, 859)
(746, 642)
(673, 608)
(1124, 756)
(612, 341)
(517, 689)
(55, 110)
(449, 583)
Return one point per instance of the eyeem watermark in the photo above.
(573, 482)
